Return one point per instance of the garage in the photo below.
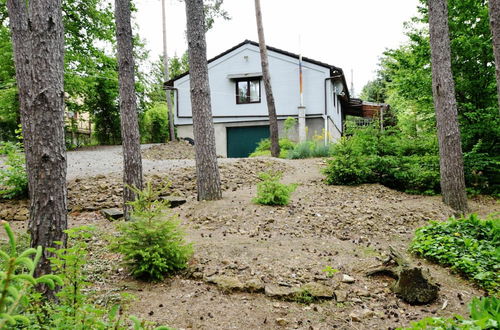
(242, 141)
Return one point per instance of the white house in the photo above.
(239, 106)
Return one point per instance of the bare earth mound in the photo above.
(250, 260)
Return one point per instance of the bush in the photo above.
(152, 247)
(468, 245)
(484, 314)
(264, 148)
(13, 177)
(154, 124)
(386, 157)
(271, 192)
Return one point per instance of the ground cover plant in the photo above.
(264, 148)
(469, 246)
(13, 177)
(484, 314)
(153, 246)
(270, 191)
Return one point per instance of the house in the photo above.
(239, 106)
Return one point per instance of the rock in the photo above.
(348, 279)
(226, 283)
(341, 295)
(281, 292)
(112, 214)
(174, 201)
(281, 322)
(254, 285)
(366, 313)
(318, 290)
(355, 317)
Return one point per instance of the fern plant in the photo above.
(17, 278)
(270, 191)
(153, 246)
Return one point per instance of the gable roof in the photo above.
(333, 69)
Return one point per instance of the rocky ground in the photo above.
(250, 260)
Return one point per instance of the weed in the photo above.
(330, 272)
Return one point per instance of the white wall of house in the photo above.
(284, 72)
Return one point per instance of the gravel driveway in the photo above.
(89, 162)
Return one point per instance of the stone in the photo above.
(318, 290)
(226, 283)
(282, 292)
(254, 285)
(113, 213)
(355, 317)
(341, 295)
(348, 279)
(281, 322)
(174, 201)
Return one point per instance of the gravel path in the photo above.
(106, 160)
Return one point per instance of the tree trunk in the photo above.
(132, 162)
(207, 170)
(494, 11)
(273, 120)
(38, 41)
(443, 88)
(167, 75)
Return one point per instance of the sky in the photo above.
(350, 34)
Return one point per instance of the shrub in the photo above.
(271, 192)
(152, 247)
(484, 314)
(264, 148)
(386, 157)
(13, 177)
(468, 246)
(155, 124)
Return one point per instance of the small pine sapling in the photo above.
(270, 191)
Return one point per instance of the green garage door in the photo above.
(242, 141)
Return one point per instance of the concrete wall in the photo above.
(314, 127)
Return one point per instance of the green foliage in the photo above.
(288, 125)
(270, 191)
(13, 177)
(387, 157)
(330, 272)
(16, 279)
(154, 124)
(309, 149)
(469, 246)
(152, 247)
(304, 297)
(405, 82)
(484, 314)
(264, 148)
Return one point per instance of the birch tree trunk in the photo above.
(494, 12)
(443, 88)
(207, 170)
(273, 120)
(132, 162)
(166, 75)
(38, 41)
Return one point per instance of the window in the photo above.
(248, 91)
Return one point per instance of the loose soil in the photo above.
(346, 228)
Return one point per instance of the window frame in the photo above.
(248, 97)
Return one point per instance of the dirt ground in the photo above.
(237, 242)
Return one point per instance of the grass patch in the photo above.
(470, 246)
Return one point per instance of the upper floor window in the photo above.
(248, 91)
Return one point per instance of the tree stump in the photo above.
(412, 284)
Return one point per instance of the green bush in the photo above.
(469, 246)
(154, 124)
(484, 314)
(13, 177)
(271, 192)
(386, 157)
(152, 247)
(264, 148)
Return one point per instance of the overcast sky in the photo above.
(351, 34)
